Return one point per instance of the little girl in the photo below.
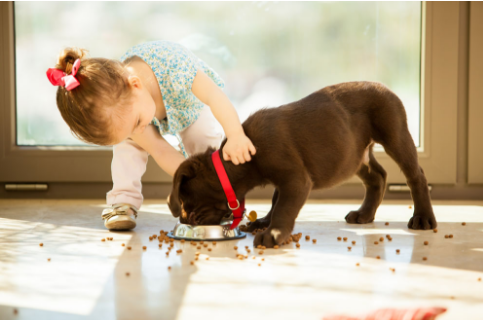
(157, 88)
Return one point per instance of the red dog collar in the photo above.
(235, 206)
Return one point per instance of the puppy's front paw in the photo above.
(359, 217)
(422, 222)
(258, 224)
(270, 237)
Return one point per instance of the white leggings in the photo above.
(129, 159)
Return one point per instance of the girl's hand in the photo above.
(238, 148)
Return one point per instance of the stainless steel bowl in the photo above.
(197, 233)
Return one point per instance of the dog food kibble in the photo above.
(144, 248)
(479, 279)
(259, 246)
(451, 236)
(48, 259)
(202, 242)
(314, 240)
(198, 247)
(15, 311)
(150, 238)
(129, 248)
(263, 247)
(196, 258)
(410, 207)
(209, 249)
(103, 240)
(307, 237)
(446, 236)
(182, 240)
(392, 269)
(345, 238)
(424, 258)
(381, 239)
(435, 230)
(397, 250)
(207, 258)
(357, 264)
(197, 253)
(378, 257)
(353, 242)
(426, 243)
(123, 245)
(248, 250)
(463, 223)
(127, 274)
(275, 247)
(339, 238)
(375, 242)
(254, 257)
(349, 248)
(387, 223)
(298, 245)
(236, 248)
(167, 253)
(240, 257)
(160, 245)
(192, 262)
(179, 251)
(260, 252)
(41, 244)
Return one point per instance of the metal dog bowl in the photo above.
(212, 233)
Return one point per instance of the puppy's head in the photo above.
(197, 196)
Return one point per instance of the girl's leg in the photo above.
(205, 132)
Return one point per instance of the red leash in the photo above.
(235, 206)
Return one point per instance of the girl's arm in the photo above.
(165, 155)
(238, 146)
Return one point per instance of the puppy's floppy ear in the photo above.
(186, 171)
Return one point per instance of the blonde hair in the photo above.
(103, 83)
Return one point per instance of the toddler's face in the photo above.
(139, 112)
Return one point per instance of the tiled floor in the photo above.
(86, 278)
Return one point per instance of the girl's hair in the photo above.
(103, 84)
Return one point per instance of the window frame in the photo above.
(439, 91)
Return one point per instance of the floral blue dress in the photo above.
(175, 68)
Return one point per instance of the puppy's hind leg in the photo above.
(373, 176)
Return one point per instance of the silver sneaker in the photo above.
(118, 218)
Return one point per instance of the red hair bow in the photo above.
(59, 78)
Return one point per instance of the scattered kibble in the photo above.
(378, 257)
(410, 207)
(375, 242)
(182, 240)
(169, 268)
(197, 253)
(15, 311)
(339, 238)
(198, 247)
(345, 238)
(48, 259)
(435, 230)
(179, 251)
(349, 248)
(207, 258)
(259, 264)
(192, 262)
(314, 240)
(240, 257)
(103, 240)
(196, 258)
(381, 239)
(123, 245)
(129, 248)
(451, 236)
(397, 250)
(426, 243)
(236, 248)
(150, 238)
(205, 245)
(41, 244)
(127, 274)
(353, 242)
(144, 248)
(424, 258)
(387, 223)
(160, 245)
(392, 269)
(260, 252)
(307, 238)
(263, 247)
(209, 249)
(254, 257)
(357, 264)
(259, 246)
(202, 242)
(479, 279)
(463, 223)
(275, 247)
(446, 236)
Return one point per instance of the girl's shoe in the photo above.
(118, 217)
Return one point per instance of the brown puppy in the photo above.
(317, 142)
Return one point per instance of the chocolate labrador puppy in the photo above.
(317, 142)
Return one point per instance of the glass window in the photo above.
(268, 53)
